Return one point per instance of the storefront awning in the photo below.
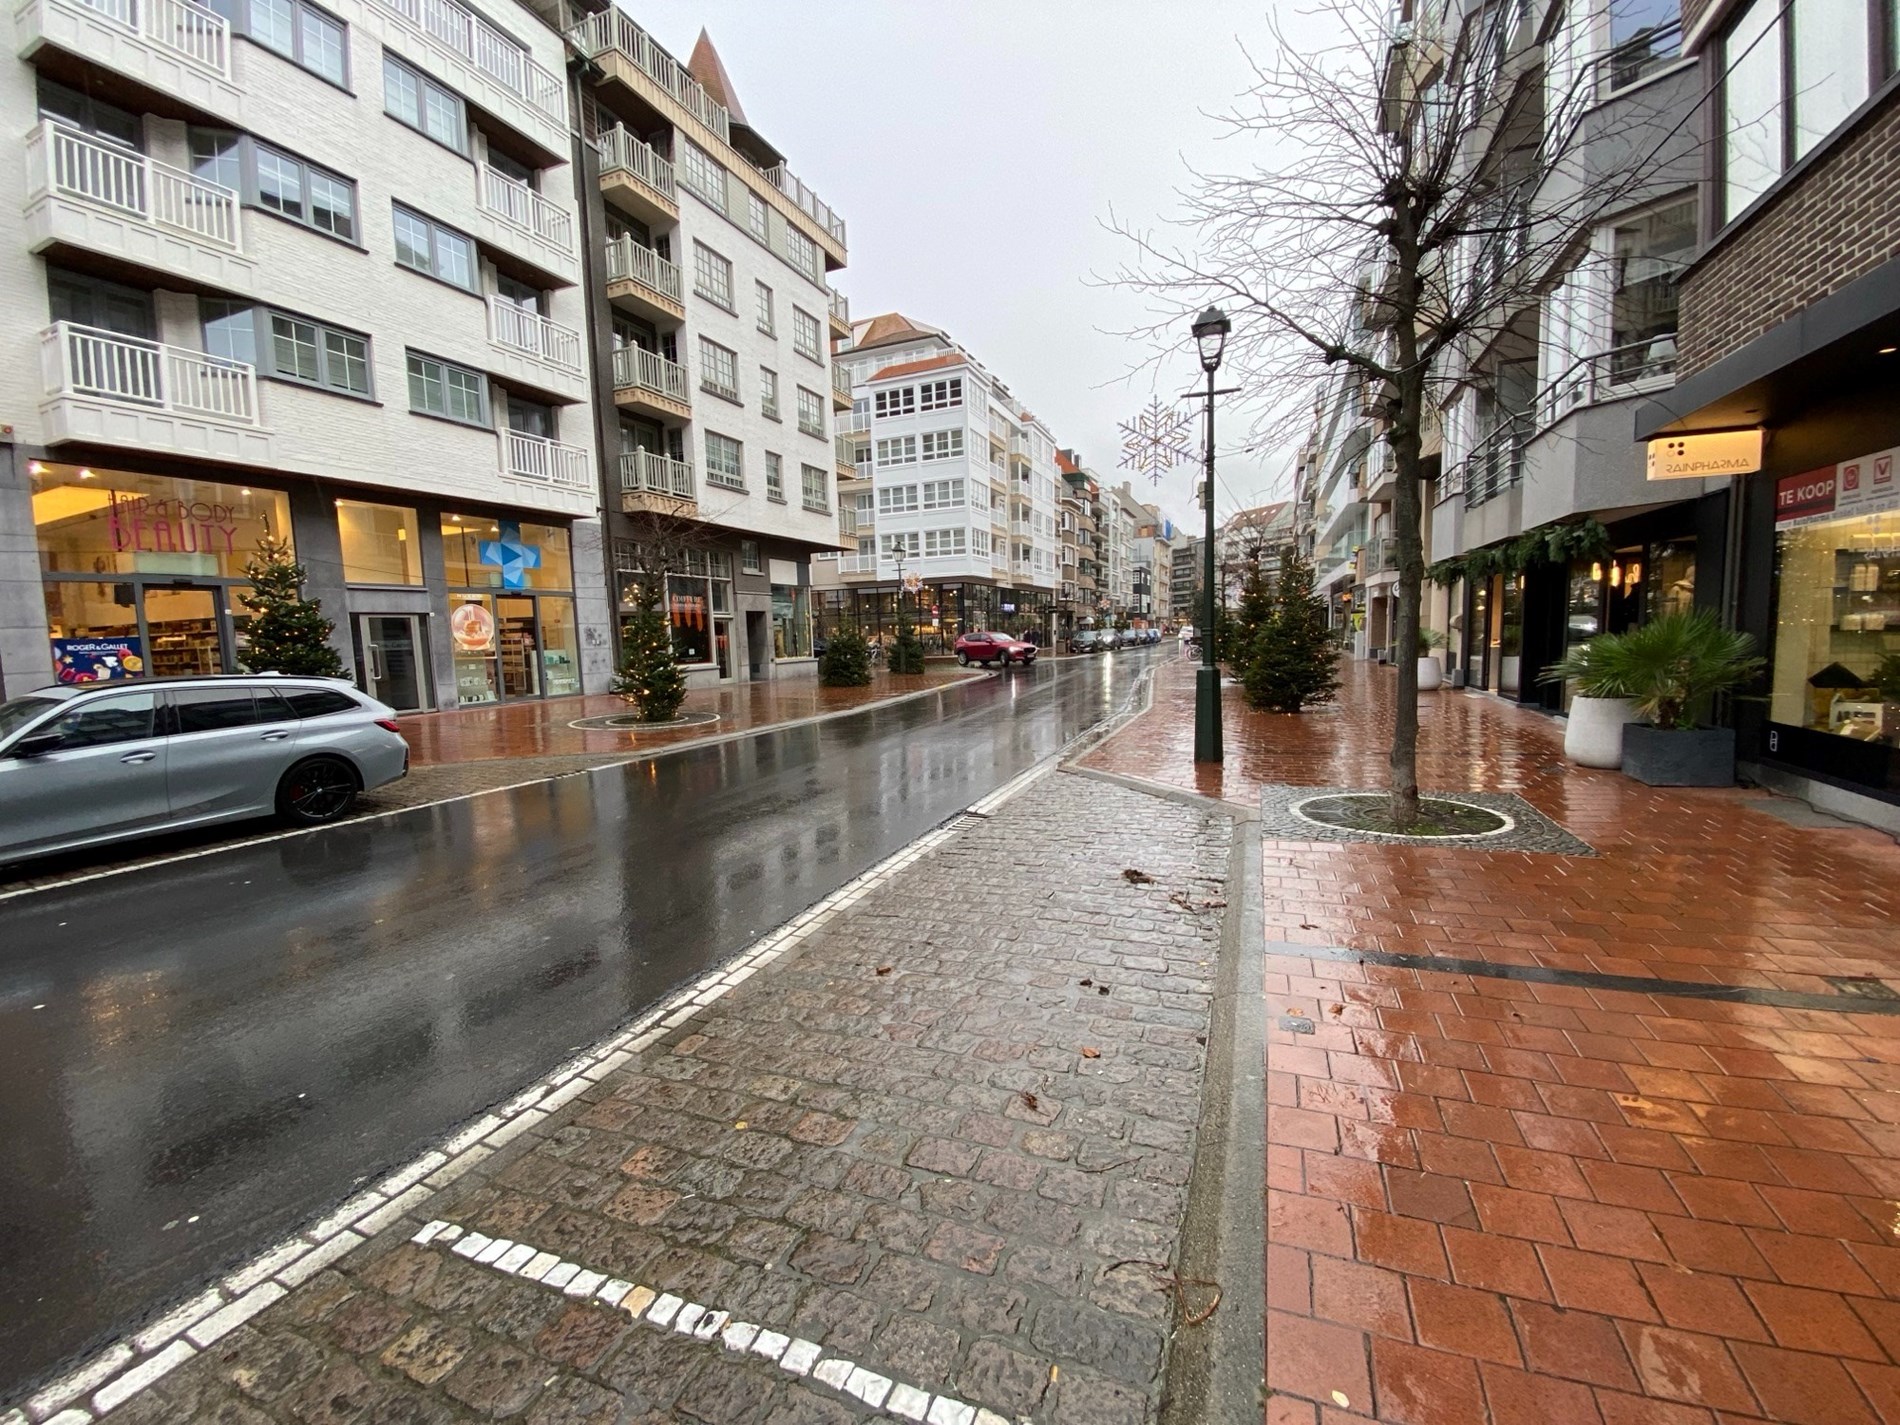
(1830, 348)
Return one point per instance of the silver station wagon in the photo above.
(81, 766)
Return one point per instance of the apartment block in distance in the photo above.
(956, 483)
(306, 271)
(710, 259)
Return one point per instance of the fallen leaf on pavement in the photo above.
(1030, 1101)
(1090, 1052)
(740, 1125)
(1336, 1009)
(884, 969)
(1137, 878)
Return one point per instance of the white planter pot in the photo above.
(1429, 674)
(1594, 735)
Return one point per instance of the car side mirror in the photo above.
(37, 744)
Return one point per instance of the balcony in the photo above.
(648, 383)
(637, 179)
(534, 349)
(103, 199)
(858, 564)
(845, 444)
(474, 58)
(536, 460)
(840, 313)
(174, 47)
(109, 389)
(651, 483)
(840, 389)
(643, 283)
(521, 222)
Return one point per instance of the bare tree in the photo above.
(1423, 183)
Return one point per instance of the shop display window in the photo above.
(379, 543)
(90, 520)
(791, 621)
(1836, 656)
(485, 553)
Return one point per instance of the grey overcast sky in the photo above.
(974, 149)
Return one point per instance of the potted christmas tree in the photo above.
(649, 676)
(1293, 659)
(287, 633)
(846, 661)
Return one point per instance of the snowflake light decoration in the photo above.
(1155, 441)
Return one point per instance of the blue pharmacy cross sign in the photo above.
(514, 558)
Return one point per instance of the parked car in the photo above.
(994, 650)
(82, 765)
(1083, 640)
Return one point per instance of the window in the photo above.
(979, 541)
(724, 461)
(803, 253)
(942, 395)
(811, 412)
(124, 717)
(907, 544)
(791, 621)
(718, 370)
(298, 348)
(901, 402)
(91, 115)
(944, 541)
(901, 450)
(866, 504)
(412, 98)
(817, 487)
(805, 333)
(1649, 254)
(437, 388)
(425, 246)
(300, 32)
(701, 174)
(942, 494)
(768, 392)
(749, 561)
(712, 276)
(755, 216)
(943, 444)
(774, 478)
(1775, 111)
(896, 499)
(767, 322)
(319, 702)
(216, 709)
(379, 543)
(281, 184)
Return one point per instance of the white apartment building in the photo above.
(289, 268)
(718, 324)
(957, 484)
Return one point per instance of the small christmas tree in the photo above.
(847, 660)
(907, 652)
(1294, 657)
(287, 633)
(649, 675)
(1254, 612)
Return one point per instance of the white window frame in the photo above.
(774, 477)
(941, 395)
(701, 174)
(897, 499)
(716, 473)
(815, 477)
(811, 412)
(896, 450)
(943, 444)
(804, 325)
(712, 276)
(768, 393)
(766, 318)
(901, 401)
(712, 359)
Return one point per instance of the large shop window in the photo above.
(698, 606)
(791, 621)
(479, 552)
(1795, 69)
(509, 641)
(1836, 655)
(379, 543)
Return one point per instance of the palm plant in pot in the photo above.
(1600, 708)
(1672, 668)
(1430, 675)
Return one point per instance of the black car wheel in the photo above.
(964, 659)
(315, 791)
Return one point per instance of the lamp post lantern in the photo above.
(1210, 335)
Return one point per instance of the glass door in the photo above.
(391, 661)
(183, 627)
(520, 643)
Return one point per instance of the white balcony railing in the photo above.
(638, 369)
(841, 381)
(189, 31)
(620, 149)
(490, 50)
(541, 461)
(518, 204)
(840, 308)
(534, 335)
(87, 361)
(614, 29)
(808, 202)
(72, 165)
(627, 261)
(858, 564)
(648, 472)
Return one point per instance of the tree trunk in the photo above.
(1407, 516)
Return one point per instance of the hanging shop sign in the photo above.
(1696, 457)
(1865, 485)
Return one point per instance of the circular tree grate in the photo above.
(1439, 817)
(632, 722)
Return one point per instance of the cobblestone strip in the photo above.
(946, 1143)
(111, 1375)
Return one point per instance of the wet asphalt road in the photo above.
(197, 1058)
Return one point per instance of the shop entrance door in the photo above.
(184, 628)
(756, 636)
(520, 641)
(391, 662)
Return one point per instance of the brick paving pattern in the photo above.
(1492, 1200)
(894, 1144)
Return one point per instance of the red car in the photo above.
(994, 650)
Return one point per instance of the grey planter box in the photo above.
(1703, 757)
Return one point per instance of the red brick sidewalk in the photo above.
(541, 728)
(1495, 1199)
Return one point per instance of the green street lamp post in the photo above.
(1210, 335)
